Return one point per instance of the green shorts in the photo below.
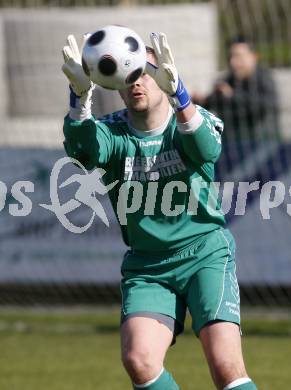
(200, 277)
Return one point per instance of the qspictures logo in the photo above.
(133, 195)
(90, 184)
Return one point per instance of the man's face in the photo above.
(144, 94)
(242, 60)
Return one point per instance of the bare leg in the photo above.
(144, 343)
(221, 342)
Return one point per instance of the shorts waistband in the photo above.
(171, 253)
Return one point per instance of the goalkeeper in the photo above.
(180, 256)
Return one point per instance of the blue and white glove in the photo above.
(165, 73)
(80, 85)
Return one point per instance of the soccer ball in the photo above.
(114, 57)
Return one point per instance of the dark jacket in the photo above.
(252, 112)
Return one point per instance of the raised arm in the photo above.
(199, 132)
(86, 139)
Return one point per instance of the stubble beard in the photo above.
(140, 106)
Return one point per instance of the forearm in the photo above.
(187, 114)
(80, 141)
(89, 141)
(200, 136)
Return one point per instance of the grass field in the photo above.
(79, 350)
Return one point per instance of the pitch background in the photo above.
(69, 349)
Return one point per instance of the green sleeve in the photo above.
(90, 142)
(204, 144)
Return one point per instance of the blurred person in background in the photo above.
(246, 99)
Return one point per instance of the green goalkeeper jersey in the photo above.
(167, 177)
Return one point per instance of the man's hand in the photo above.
(80, 85)
(79, 81)
(165, 73)
(225, 89)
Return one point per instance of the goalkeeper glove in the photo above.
(165, 73)
(80, 85)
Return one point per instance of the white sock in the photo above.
(149, 382)
(237, 382)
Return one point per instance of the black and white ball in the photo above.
(114, 57)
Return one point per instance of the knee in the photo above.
(225, 372)
(140, 366)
